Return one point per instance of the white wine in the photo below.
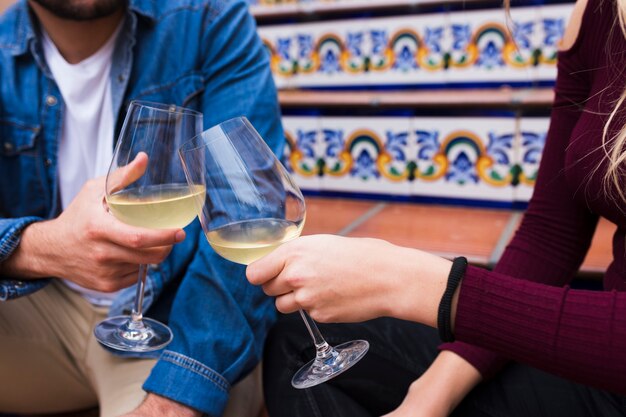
(157, 206)
(246, 241)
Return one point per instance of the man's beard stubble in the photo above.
(81, 9)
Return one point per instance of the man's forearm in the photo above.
(28, 259)
(155, 405)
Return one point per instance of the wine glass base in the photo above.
(343, 357)
(115, 333)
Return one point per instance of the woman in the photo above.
(568, 346)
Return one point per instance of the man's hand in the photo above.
(155, 405)
(87, 245)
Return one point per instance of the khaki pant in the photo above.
(50, 361)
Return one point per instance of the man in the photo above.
(69, 69)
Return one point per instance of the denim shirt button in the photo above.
(47, 162)
(8, 146)
(154, 267)
(121, 78)
(51, 100)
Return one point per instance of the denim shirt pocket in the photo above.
(21, 171)
(182, 91)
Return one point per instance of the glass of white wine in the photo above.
(252, 206)
(158, 198)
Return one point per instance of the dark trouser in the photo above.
(399, 353)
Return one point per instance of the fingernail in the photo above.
(180, 236)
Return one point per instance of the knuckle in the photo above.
(303, 298)
(135, 240)
(293, 278)
(91, 230)
(283, 305)
(100, 256)
(320, 316)
(267, 289)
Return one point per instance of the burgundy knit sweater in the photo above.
(524, 310)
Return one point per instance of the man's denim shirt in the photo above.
(203, 54)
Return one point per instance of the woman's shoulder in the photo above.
(573, 27)
(593, 25)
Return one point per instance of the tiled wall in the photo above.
(443, 48)
(489, 159)
(456, 155)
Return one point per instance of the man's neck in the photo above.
(77, 40)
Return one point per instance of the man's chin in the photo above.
(81, 10)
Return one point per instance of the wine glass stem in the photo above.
(137, 314)
(322, 348)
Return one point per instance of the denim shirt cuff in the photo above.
(10, 234)
(189, 382)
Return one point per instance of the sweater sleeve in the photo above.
(556, 230)
(576, 334)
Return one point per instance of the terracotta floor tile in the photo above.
(447, 231)
(600, 254)
(330, 215)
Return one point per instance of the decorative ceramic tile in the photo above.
(367, 155)
(552, 22)
(333, 53)
(470, 158)
(408, 50)
(281, 46)
(483, 48)
(303, 151)
(530, 142)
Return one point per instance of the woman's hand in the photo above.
(338, 279)
(440, 389)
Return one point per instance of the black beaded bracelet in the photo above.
(444, 323)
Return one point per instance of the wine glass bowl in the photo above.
(150, 193)
(252, 206)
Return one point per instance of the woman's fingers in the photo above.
(286, 303)
(268, 267)
(276, 287)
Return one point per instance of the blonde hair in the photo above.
(614, 146)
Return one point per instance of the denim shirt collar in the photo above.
(19, 37)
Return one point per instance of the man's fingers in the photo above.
(125, 276)
(126, 175)
(124, 255)
(129, 279)
(141, 238)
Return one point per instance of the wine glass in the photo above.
(252, 206)
(158, 198)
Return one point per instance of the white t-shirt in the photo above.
(86, 145)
